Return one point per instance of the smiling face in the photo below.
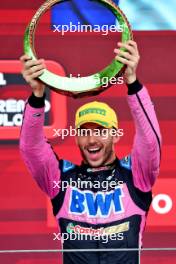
(96, 146)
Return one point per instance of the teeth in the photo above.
(94, 149)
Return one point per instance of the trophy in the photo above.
(83, 86)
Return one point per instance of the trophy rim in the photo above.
(82, 86)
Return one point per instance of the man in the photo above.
(119, 212)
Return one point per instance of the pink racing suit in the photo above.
(92, 213)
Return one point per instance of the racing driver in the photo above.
(91, 212)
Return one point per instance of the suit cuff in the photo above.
(36, 102)
(134, 87)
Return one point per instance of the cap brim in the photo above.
(101, 123)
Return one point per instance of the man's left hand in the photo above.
(130, 58)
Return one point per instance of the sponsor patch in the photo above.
(77, 229)
(67, 165)
(126, 162)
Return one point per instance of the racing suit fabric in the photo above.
(119, 210)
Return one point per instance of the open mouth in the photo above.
(93, 150)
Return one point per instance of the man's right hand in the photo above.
(32, 69)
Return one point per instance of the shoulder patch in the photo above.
(126, 162)
(67, 165)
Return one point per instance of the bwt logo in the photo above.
(161, 214)
(101, 203)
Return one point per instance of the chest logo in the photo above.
(96, 204)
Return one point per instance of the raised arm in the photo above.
(146, 152)
(35, 150)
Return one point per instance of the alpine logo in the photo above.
(96, 204)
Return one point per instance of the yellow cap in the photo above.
(96, 112)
